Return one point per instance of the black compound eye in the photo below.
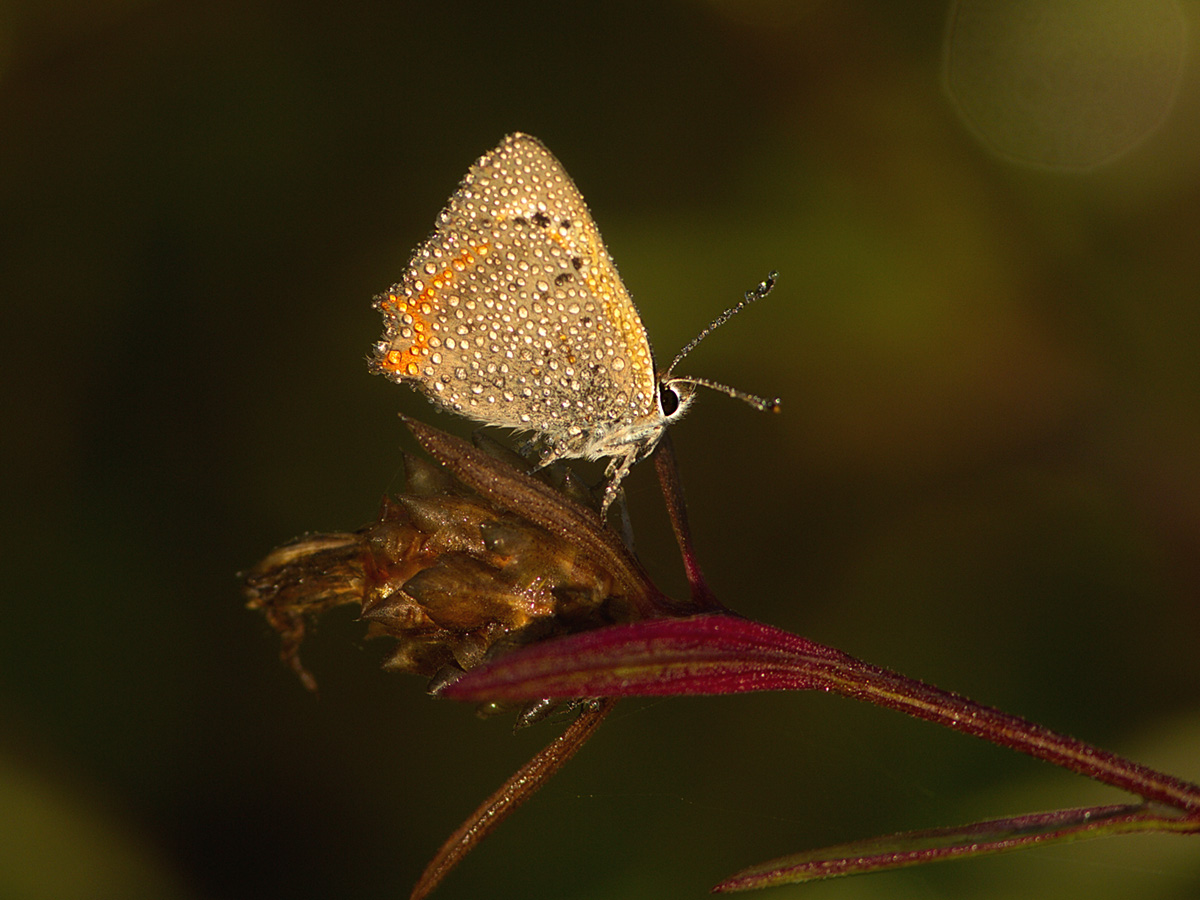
(668, 398)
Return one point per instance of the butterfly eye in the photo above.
(668, 399)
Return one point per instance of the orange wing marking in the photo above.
(407, 362)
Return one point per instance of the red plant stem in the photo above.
(667, 469)
(519, 788)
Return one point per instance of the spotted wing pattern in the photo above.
(513, 314)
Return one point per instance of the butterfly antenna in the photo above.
(757, 293)
(762, 404)
(759, 403)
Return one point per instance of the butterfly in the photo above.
(512, 314)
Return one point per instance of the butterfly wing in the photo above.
(513, 314)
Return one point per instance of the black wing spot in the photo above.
(541, 220)
(565, 223)
(562, 279)
(521, 220)
(577, 262)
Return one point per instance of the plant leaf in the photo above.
(708, 654)
(722, 654)
(959, 842)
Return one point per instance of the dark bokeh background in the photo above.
(986, 474)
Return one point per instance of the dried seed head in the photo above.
(446, 574)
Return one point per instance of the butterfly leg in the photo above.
(618, 468)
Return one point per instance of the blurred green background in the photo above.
(986, 333)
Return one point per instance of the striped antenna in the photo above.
(757, 402)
